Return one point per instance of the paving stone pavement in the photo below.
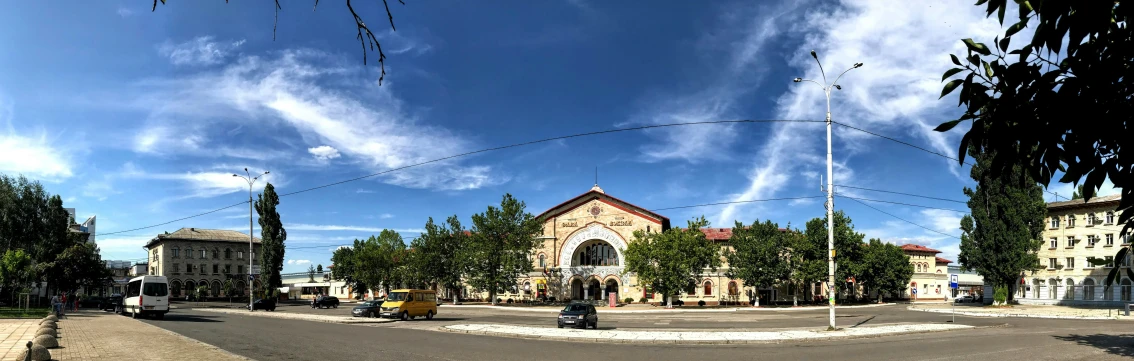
(97, 335)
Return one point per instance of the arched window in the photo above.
(204, 253)
(176, 252)
(188, 252)
(1089, 289)
(1069, 293)
(542, 260)
(228, 253)
(1070, 220)
(733, 290)
(1109, 217)
(1125, 290)
(216, 253)
(708, 288)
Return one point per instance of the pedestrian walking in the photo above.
(55, 302)
(76, 308)
(63, 306)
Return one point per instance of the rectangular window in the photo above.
(1110, 261)
(203, 269)
(239, 269)
(1070, 263)
(227, 269)
(176, 268)
(1070, 221)
(155, 289)
(1091, 240)
(176, 253)
(1090, 262)
(1091, 219)
(204, 253)
(1109, 217)
(1051, 263)
(216, 268)
(240, 255)
(1054, 242)
(1110, 239)
(1054, 222)
(1070, 241)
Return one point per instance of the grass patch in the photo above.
(11, 312)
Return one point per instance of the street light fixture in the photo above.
(251, 180)
(830, 183)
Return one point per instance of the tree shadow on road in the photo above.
(188, 318)
(863, 321)
(1121, 345)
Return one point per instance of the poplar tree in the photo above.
(272, 237)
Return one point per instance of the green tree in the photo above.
(759, 254)
(229, 288)
(376, 260)
(77, 266)
(15, 270)
(1027, 105)
(499, 248)
(319, 268)
(343, 260)
(1078, 193)
(885, 268)
(272, 237)
(310, 273)
(1001, 236)
(670, 260)
(808, 263)
(848, 247)
(437, 254)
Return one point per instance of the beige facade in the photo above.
(581, 257)
(930, 280)
(1075, 232)
(191, 257)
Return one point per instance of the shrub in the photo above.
(644, 300)
(1000, 296)
(499, 300)
(629, 300)
(701, 303)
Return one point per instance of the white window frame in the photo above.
(1054, 242)
(1109, 239)
(1054, 222)
(1070, 263)
(1070, 221)
(1109, 217)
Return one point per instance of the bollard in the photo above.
(28, 354)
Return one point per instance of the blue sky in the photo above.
(140, 117)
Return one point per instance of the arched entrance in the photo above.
(175, 288)
(576, 289)
(190, 286)
(611, 288)
(594, 291)
(1089, 289)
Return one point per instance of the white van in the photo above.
(146, 295)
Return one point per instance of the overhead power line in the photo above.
(901, 219)
(544, 140)
(900, 193)
(900, 203)
(901, 142)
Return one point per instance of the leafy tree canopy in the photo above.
(272, 237)
(501, 243)
(437, 253)
(848, 246)
(885, 268)
(759, 254)
(669, 261)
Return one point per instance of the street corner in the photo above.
(298, 316)
(694, 337)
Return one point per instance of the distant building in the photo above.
(930, 280)
(192, 257)
(968, 282)
(120, 275)
(86, 229)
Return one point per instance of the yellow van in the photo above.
(408, 304)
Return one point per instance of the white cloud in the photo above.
(124, 12)
(896, 90)
(33, 157)
(325, 104)
(324, 152)
(200, 51)
(200, 184)
(386, 216)
(168, 139)
(298, 261)
(360, 190)
(331, 227)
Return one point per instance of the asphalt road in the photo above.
(264, 338)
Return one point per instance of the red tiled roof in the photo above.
(942, 260)
(918, 248)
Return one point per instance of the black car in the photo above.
(111, 303)
(578, 315)
(91, 301)
(268, 304)
(325, 302)
(366, 309)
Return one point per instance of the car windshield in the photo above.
(398, 296)
(575, 308)
(369, 304)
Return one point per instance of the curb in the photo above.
(687, 342)
(287, 316)
(1018, 315)
(673, 310)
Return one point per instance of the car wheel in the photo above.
(585, 324)
(335, 306)
(595, 325)
(405, 315)
(429, 315)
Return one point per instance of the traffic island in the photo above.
(694, 337)
(296, 316)
(1051, 312)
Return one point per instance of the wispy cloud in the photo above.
(385, 216)
(310, 92)
(124, 12)
(360, 190)
(298, 261)
(896, 91)
(34, 157)
(332, 227)
(203, 50)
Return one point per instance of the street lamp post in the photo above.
(251, 180)
(830, 185)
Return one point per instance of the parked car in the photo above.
(91, 301)
(367, 309)
(963, 299)
(578, 315)
(325, 302)
(268, 304)
(408, 304)
(111, 303)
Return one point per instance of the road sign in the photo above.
(256, 269)
(914, 290)
(952, 281)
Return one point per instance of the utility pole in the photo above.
(251, 180)
(830, 185)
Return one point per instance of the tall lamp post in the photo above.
(251, 180)
(830, 184)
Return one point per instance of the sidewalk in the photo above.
(1029, 311)
(296, 316)
(656, 309)
(97, 335)
(693, 337)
